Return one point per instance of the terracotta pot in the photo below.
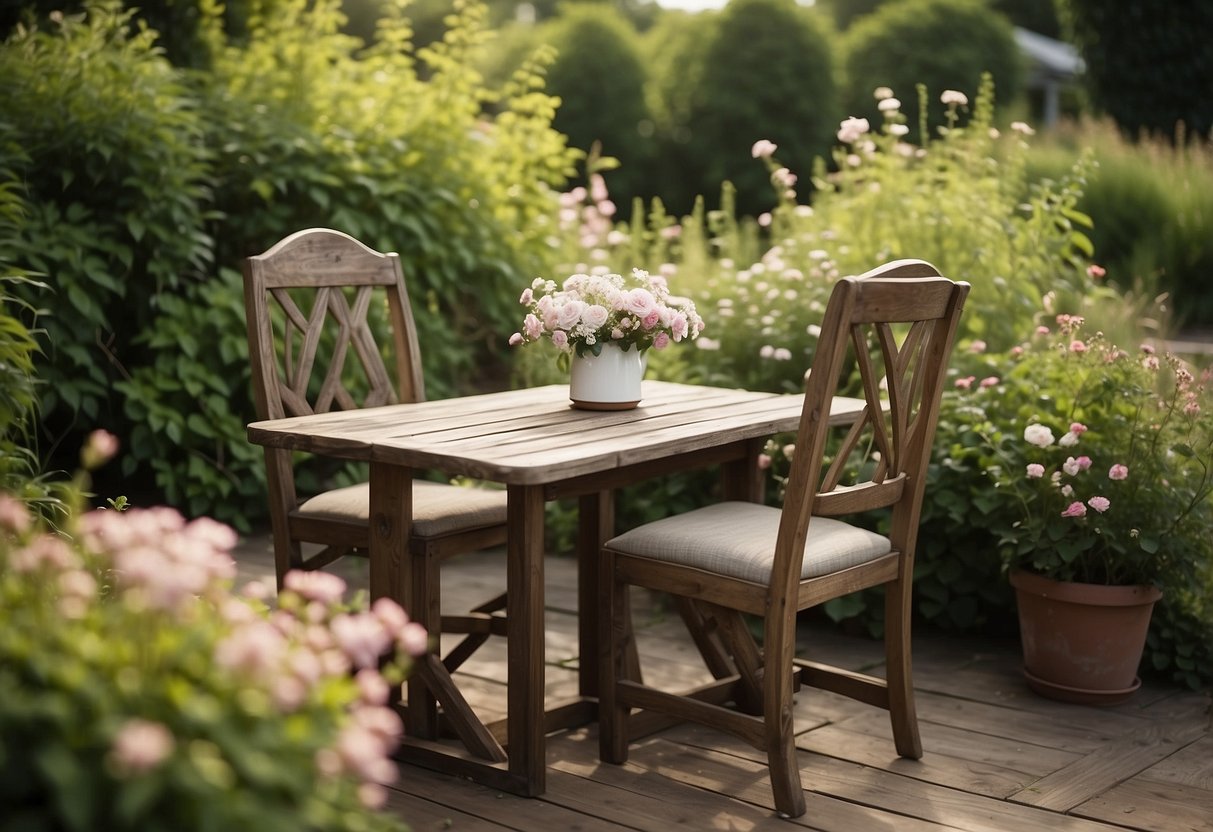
(1082, 642)
(608, 381)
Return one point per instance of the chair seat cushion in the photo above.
(438, 508)
(738, 540)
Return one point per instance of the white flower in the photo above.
(889, 105)
(1022, 127)
(851, 129)
(763, 149)
(1038, 435)
(950, 97)
(1068, 440)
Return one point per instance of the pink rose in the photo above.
(1118, 472)
(988, 381)
(1100, 504)
(1078, 427)
(532, 326)
(560, 338)
(1075, 509)
(641, 303)
(1035, 470)
(660, 341)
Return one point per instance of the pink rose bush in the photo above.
(1099, 460)
(588, 311)
(139, 691)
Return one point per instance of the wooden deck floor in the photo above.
(997, 757)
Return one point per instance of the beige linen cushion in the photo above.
(738, 540)
(438, 508)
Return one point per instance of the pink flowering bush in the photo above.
(588, 311)
(137, 692)
(1099, 459)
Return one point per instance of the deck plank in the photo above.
(1151, 805)
(1102, 769)
(997, 756)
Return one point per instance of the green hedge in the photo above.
(768, 73)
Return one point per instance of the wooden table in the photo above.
(540, 449)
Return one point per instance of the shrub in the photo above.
(768, 72)
(18, 347)
(943, 44)
(1098, 459)
(1144, 64)
(137, 693)
(114, 178)
(599, 77)
(1151, 203)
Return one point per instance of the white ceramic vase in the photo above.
(607, 381)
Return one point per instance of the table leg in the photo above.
(394, 576)
(524, 585)
(742, 479)
(595, 525)
(391, 514)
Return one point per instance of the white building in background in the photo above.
(1051, 66)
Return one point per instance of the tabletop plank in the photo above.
(533, 437)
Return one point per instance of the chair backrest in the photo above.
(324, 283)
(896, 326)
(324, 289)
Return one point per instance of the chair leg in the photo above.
(778, 722)
(613, 632)
(902, 713)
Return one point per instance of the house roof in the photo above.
(1048, 56)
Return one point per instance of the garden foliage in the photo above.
(944, 44)
(1145, 63)
(599, 76)
(963, 200)
(146, 185)
(138, 693)
(1151, 202)
(768, 72)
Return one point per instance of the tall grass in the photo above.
(1152, 206)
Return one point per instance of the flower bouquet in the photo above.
(602, 324)
(589, 311)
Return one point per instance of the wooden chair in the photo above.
(736, 557)
(326, 357)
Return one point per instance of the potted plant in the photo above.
(1102, 465)
(602, 324)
